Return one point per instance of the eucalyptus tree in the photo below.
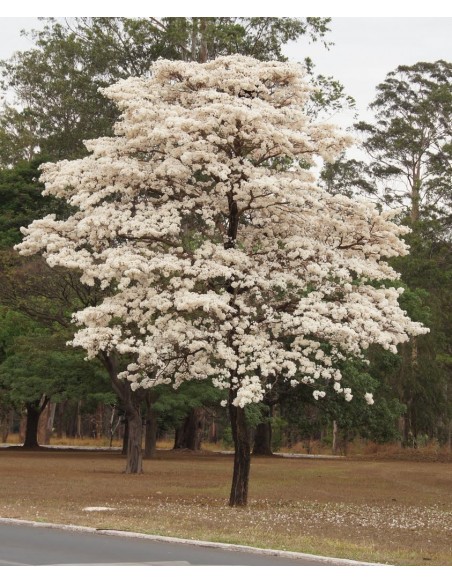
(410, 142)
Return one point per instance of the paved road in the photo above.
(45, 546)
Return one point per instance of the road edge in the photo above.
(212, 544)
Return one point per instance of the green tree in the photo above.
(410, 142)
(21, 200)
(410, 151)
(38, 367)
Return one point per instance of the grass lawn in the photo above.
(395, 512)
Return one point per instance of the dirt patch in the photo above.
(397, 512)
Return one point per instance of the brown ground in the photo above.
(397, 512)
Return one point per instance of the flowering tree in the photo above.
(219, 255)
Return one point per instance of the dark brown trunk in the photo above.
(189, 434)
(239, 426)
(263, 439)
(242, 457)
(150, 440)
(34, 410)
(31, 428)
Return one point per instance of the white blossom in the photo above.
(369, 398)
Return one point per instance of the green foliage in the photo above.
(328, 96)
(278, 425)
(376, 422)
(410, 142)
(37, 362)
(347, 177)
(172, 406)
(56, 88)
(256, 414)
(307, 417)
(411, 153)
(21, 200)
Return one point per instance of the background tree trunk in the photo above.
(150, 440)
(335, 445)
(34, 410)
(189, 434)
(134, 451)
(125, 438)
(263, 439)
(5, 425)
(59, 419)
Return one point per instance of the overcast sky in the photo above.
(365, 49)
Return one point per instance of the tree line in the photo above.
(59, 106)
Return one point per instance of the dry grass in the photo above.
(378, 511)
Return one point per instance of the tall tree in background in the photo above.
(410, 143)
(410, 150)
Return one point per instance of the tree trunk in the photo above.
(263, 440)
(189, 434)
(134, 452)
(242, 456)
(194, 37)
(79, 419)
(34, 410)
(335, 445)
(150, 440)
(59, 419)
(415, 194)
(5, 425)
(130, 402)
(346, 442)
(203, 53)
(125, 438)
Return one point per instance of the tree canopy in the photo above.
(411, 141)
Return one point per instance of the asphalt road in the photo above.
(29, 545)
